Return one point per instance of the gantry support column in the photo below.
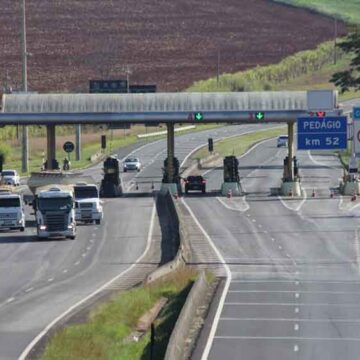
(290, 150)
(78, 142)
(170, 152)
(51, 146)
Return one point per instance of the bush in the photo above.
(264, 77)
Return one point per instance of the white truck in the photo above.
(12, 215)
(54, 211)
(88, 206)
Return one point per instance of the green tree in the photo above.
(350, 78)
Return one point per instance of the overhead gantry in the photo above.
(167, 108)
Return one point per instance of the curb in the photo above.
(178, 338)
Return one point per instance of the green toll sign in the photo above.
(260, 115)
(199, 116)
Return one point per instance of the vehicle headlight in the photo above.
(70, 227)
(42, 227)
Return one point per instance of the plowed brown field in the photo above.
(168, 42)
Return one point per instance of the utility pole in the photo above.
(25, 135)
(335, 36)
(218, 69)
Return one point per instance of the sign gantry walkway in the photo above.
(169, 108)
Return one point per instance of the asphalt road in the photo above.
(39, 280)
(295, 284)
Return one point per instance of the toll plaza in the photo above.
(54, 110)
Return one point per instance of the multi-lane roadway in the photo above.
(293, 263)
(294, 285)
(40, 280)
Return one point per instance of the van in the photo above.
(12, 215)
(282, 141)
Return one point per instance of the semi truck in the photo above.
(111, 184)
(54, 211)
(88, 206)
(12, 215)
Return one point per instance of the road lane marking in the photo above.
(10, 300)
(225, 290)
(29, 289)
(296, 348)
(77, 263)
(27, 350)
(296, 327)
(65, 271)
(296, 310)
(286, 338)
(292, 320)
(234, 303)
(50, 279)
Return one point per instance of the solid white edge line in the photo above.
(226, 287)
(27, 350)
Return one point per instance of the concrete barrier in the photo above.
(173, 232)
(177, 341)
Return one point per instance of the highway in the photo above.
(295, 287)
(40, 280)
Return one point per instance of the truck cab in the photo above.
(88, 206)
(54, 211)
(12, 215)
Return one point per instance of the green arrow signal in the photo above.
(259, 115)
(199, 116)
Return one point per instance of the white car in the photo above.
(10, 177)
(132, 164)
(282, 141)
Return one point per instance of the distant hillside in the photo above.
(170, 43)
(348, 10)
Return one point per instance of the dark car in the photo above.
(195, 183)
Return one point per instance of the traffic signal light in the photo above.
(103, 141)
(210, 145)
(231, 172)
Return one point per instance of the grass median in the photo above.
(102, 336)
(240, 144)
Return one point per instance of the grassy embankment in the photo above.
(102, 336)
(240, 144)
(347, 10)
(310, 69)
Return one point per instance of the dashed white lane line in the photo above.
(27, 350)
(297, 295)
(10, 300)
(65, 271)
(29, 289)
(260, 226)
(50, 279)
(88, 248)
(280, 247)
(296, 348)
(254, 220)
(297, 310)
(83, 255)
(77, 263)
(272, 239)
(296, 327)
(221, 302)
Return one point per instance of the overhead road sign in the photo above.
(142, 89)
(356, 113)
(108, 86)
(65, 118)
(356, 131)
(322, 133)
